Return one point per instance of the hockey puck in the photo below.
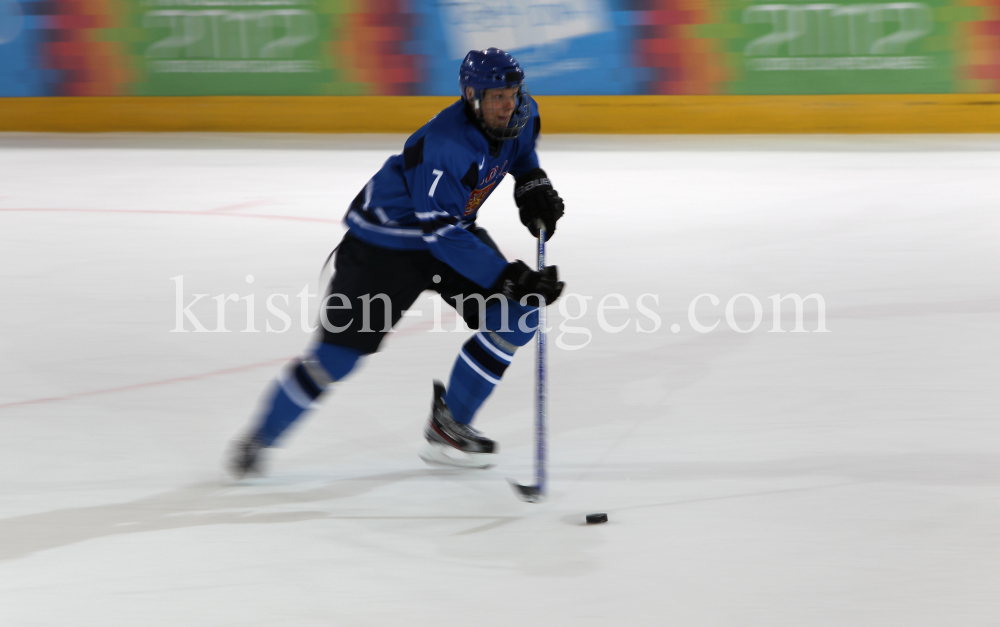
(593, 519)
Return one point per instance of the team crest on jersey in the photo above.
(477, 198)
(479, 195)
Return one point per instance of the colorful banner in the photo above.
(567, 47)
(570, 47)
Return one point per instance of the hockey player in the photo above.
(413, 228)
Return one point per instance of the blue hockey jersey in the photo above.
(427, 197)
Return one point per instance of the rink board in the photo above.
(864, 113)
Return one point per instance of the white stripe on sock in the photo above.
(485, 341)
(294, 391)
(473, 365)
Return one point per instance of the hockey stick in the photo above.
(536, 493)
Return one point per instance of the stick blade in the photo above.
(527, 493)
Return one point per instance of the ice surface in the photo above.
(772, 479)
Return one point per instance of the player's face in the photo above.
(498, 105)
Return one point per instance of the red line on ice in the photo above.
(242, 205)
(137, 386)
(177, 213)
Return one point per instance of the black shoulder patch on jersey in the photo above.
(414, 155)
(471, 177)
(537, 129)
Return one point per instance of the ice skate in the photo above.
(246, 458)
(451, 443)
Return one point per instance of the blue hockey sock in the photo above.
(301, 385)
(477, 370)
(483, 359)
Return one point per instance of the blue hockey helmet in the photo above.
(495, 69)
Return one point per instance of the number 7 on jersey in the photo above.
(437, 177)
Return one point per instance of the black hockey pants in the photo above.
(363, 271)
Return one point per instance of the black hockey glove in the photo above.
(518, 280)
(536, 201)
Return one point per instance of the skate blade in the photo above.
(442, 455)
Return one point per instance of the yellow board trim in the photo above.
(920, 113)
